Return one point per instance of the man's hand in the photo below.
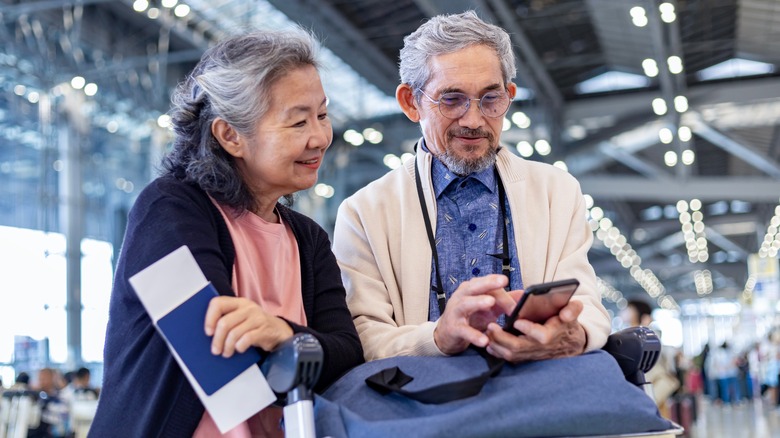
(560, 336)
(473, 305)
(239, 323)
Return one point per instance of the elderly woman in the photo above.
(251, 125)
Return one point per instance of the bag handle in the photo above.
(393, 380)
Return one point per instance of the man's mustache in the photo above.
(474, 133)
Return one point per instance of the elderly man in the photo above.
(427, 251)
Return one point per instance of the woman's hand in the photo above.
(239, 323)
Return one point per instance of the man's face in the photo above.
(469, 143)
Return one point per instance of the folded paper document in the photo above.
(176, 294)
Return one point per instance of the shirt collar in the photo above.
(442, 177)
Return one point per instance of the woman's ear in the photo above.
(227, 137)
(405, 97)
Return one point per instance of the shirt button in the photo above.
(475, 271)
(472, 227)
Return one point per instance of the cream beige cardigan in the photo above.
(385, 258)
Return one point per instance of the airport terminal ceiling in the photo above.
(647, 103)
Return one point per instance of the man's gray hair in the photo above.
(444, 34)
(232, 81)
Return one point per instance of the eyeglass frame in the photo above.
(468, 103)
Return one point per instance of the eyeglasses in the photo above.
(454, 105)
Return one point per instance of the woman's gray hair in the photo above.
(232, 81)
(444, 34)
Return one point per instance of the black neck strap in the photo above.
(440, 297)
(504, 255)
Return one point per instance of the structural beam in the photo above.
(725, 243)
(12, 12)
(593, 157)
(528, 53)
(705, 189)
(744, 91)
(344, 39)
(739, 149)
(642, 167)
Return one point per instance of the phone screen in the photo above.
(541, 302)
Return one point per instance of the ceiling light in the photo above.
(650, 67)
(588, 200)
(665, 135)
(164, 121)
(169, 3)
(392, 161)
(77, 82)
(372, 135)
(667, 12)
(525, 149)
(638, 16)
(688, 157)
(684, 133)
(681, 104)
(637, 11)
(561, 165)
(140, 5)
(639, 21)
(90, 89)
(659, 106)
(542, 147)
(181, 10)
(353, 137)
(520, 119)
(324, 190)
(507, 124)
(670, 158)
(675, 64)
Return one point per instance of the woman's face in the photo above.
(286, 150)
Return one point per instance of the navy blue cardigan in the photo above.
(145, 393)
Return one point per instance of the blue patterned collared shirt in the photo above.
(468, 231)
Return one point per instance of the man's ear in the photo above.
(512, 89)
(227, 137)
(405, 97)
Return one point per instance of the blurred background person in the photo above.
(723, 370)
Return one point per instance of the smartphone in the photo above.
(541, 302)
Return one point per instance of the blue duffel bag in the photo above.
(577, 396)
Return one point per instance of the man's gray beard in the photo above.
(463, 167)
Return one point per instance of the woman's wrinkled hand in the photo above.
(236, 324)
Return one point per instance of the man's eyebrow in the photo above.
(491, 87)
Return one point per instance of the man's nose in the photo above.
(473, 117)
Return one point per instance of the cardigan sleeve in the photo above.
(385, 285)
(327, 315)
(144, 390)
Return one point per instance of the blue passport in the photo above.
(183, 328)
